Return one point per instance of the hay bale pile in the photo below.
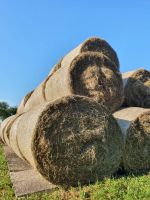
(65, 128)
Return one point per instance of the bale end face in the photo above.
(95, 76)
(77, 140)
(95, 44)
(137, 145)
(137, 89)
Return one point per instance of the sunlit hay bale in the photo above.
(90, 74)
(4, 127)
(1, 142)
(37, 97)
(137, 88)
(21, 106)
(92, 44)
(135, 126)
(73, 139)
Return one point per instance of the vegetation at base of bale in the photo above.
(6, 110)
(124, 188)
(6, 191)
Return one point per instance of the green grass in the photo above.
(124, 188)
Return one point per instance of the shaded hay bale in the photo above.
(135, 126)
(137, 88)
(73, 139)
(90, 74)
(92, 44)
(1, 141)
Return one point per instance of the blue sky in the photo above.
(35, 34)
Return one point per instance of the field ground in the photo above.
(124, 188)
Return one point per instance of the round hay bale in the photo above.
(137, 88)
(37, 97)
(90, 74)
(73, 139)
(5, 128)
(21, 106)
(92, 44)
(135, 126)
(1, 142)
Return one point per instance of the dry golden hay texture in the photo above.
(1, 142)
(137, 88)
(135, 126)
(90, 74)
(23, 102)
(93, 44)
(73, 139)
(37, 97)
(3, 129)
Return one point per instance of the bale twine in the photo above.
(73, 139)
(135, 126)
(90, 74)
(23, 102)
(137, 88)
(92, 44)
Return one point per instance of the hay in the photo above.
(23, 102)
(92, 44)
(73, 139)
(135, 126)
(37, 97)
(137, 88)
(90, 74)
(3, 133)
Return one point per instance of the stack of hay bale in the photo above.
(65, 128)
(134, 121)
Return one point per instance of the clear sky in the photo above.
(35, 34)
